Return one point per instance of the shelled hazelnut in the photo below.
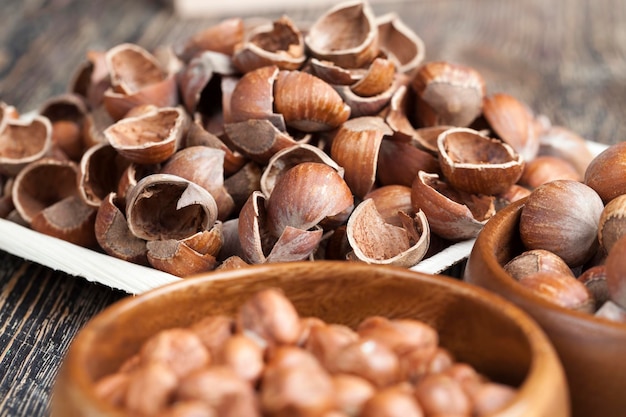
(274, 363)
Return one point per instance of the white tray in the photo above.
(134, 279)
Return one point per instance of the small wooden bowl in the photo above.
(592, 350)
(478, 327)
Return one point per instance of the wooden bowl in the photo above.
(478, 327)
(592, 350)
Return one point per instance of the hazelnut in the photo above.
(440, 394)
(536, 260)
(561, 289)
(269, 317)
(570, 228)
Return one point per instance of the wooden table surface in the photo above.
(565, 58)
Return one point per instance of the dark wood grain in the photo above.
(40, 312)
(565, 58)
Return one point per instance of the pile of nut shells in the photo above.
(265, 141)
(267, 360)
(574, 239)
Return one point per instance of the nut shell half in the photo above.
(477, 164)
(164, 206)
(151, 137)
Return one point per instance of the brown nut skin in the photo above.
(325, 341)
(616, 272)
(374, 241)
(392, 402)
(181, 350)
(401, 335)
(213, 331)
(150, 389)
(562, 216)
(368, 359)
(399, 163)
(243, 355)
(439, 394)
(605, 173)
(270, 318)
(536, 260)
(351, 392)
(298, 387)
(220, 388)
(561, 289)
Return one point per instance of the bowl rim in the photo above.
(544, 362)
(485, 244)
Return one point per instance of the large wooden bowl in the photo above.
(592, 350)
(478, 327)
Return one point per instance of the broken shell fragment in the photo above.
(399, 43)
(355, 147)
(258, 139)
(192, 255)
(334, 74)
(287, 158)
(101, 169)
(253, 97)
(390, 200)
(43, 183)
(399, 162)
(66, 113)
(69, 219)
(203, 166)
(151, 137)
(452, 214)
(196, 77)
(280, 43)
(477, 164)
(22, 142)
(164, 206)
(346, 34)
(113, 234)
(375, 241)
(377, 79)
(136, 78)
(260, 246)
(91, 79)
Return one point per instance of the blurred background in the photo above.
(565, 58)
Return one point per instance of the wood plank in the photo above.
(565, 58)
